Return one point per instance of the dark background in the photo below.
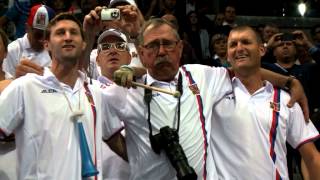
(288, 8)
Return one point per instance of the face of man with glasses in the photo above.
(160, 52)
(113, 52)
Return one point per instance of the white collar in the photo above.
(51, 79)
(268, 87)
(104, 80)
(152, 81)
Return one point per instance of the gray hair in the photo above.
(155, 23)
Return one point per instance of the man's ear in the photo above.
(84, 45)
(262, 50)
(46, 45)
(141, 53)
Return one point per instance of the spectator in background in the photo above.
(148, 8)
(175, 7)
(198, 37)
(218, 19)
(303, 55)
(268, 31)
(315, 33)
(200, 6)
(168, 6)
(219, 51)
(229, 16)
(31, 46)
(18, 13)
(59, 6)
(129, 23)
(216, 27)
(188, 54)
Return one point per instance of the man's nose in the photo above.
(162, 49)
(67, 35)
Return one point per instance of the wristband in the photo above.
(288, 84)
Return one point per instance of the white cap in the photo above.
(112, 32)
(130, 2)
(39, 16)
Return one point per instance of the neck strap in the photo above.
(148, 98)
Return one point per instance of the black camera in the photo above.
(297, 36)
(168, 139)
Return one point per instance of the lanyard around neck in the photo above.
(148, 98)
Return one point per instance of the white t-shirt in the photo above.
(36, 110)
(129, 106)
(114, 167)
(21, 48)
(244, 127)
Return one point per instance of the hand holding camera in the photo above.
(110, 14)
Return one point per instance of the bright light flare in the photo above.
(302, 8)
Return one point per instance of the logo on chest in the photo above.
(48, 91)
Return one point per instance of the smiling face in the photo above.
(110, 59)
(65, 42)
(244, 50)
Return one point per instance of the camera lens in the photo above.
(115, 14)
(176, 155)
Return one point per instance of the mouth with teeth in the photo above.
(241, 57)
(68, 46)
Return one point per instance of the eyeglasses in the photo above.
(120, 46)
(155, 45)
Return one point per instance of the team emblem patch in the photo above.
(275, 106)
(194, 88)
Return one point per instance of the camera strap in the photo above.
(148, 98)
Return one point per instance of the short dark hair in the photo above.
(245, 27)
(60, 17)
(5, 39)
(155, 23)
